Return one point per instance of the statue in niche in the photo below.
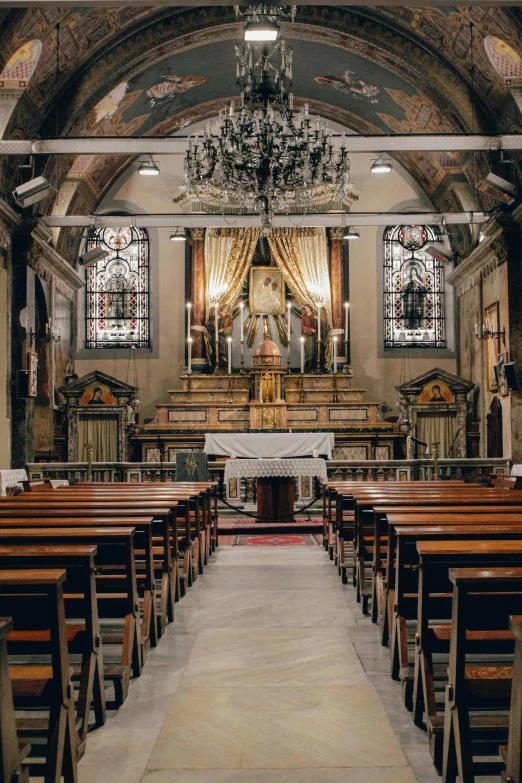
(225, 329)
(413, 294)
(308, 331)
(116, 286)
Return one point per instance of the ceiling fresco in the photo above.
(138, 70)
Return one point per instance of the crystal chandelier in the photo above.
(266, 156)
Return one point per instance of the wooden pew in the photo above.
(83, 637)
(512, 754)
(157, 550)
(115, 547)
(476, 693)
(12, 754)
(35, 599)
(406, 603)
(434, 604)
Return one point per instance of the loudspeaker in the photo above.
(511, 376)
(23, 384)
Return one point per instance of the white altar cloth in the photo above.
(254, 445)
(10, 478)
(257, 468)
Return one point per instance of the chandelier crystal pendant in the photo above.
(266, 156)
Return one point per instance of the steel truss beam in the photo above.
(177, 145)
(328, 219)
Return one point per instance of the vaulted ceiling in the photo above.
(152, 71)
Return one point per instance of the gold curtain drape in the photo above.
(302, 257)
(102, 431)
(228, 253)
(437, 427)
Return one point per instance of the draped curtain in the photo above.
(440, 428)
(228, 253)
(302, 257)
(102, 431)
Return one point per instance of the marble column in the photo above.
(337, 276)
(197, 293)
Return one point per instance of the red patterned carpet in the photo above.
(271, 540)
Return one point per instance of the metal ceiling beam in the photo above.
(326, 219)
(177, 145)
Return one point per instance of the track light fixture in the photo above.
(32, 192)
(381, 166)
(350, 233)
(149, 168)
(178, 235)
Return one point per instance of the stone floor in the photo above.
(269, 675)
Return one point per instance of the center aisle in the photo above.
(259, 681)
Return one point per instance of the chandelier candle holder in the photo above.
(486, 333)
(266, 156)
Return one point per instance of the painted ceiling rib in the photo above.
(327, 219)
(178, 145)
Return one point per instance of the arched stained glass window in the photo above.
(413, 289)
(117, 289)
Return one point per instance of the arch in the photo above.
(15, 77)
(507, 63)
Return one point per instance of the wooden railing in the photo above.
(349, 470)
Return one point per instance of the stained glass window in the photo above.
(117, 289)
(413, 289)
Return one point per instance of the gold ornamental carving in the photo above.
(197, 234)
(336, 233)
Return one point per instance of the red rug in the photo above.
(284, 540)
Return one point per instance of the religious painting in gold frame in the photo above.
(32, 378)
(267, 291)
(492, 344)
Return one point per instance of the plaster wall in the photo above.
(5, 424)
(375, 371)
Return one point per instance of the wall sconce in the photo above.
(48, 337)
(486, 333)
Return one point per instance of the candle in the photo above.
(335, 355)
(346, 323)
(289, 306)
(189, 305)
(189, 350)
(241, 307)
(319, 322)
(476, 330)
(229, 341)
(216, 319)
(302, 355)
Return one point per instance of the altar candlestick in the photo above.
(241, 308)
(289, 308)
(319, 323)
(189, 352)
(335, 355)
(302, 354)
(229, 341)
(189, 306)
(346, 322)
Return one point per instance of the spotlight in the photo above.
(31, 192)
(381, 166)
(498, 187)
(149, 168)
(438, 251)
(261, 31)
(350, 233)
(92, 257)
(178, 236)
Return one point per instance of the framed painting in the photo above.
(503, 385)
(267, 291)
(492, 344)
(32, 378)
(97, 394)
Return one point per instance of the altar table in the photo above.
(270, 444)
(275, 482)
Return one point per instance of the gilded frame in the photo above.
(492, 344)
(259, 299)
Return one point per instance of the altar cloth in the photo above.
(254, 445)
(11, 478)
(262, 468)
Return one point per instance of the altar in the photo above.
(275, 482)
(269, 445)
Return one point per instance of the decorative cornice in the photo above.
(50, 266)
(486, 257)
(8, 216)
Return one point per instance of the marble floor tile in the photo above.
(227, 608)
(272, 657)
(346, 775)
(265, 728)
(274, 577)
(116, 755)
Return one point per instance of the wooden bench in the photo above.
(512, 754)
(115, 549)
(12, 753)
(81, 613)
(35, 600)
(478, 693)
